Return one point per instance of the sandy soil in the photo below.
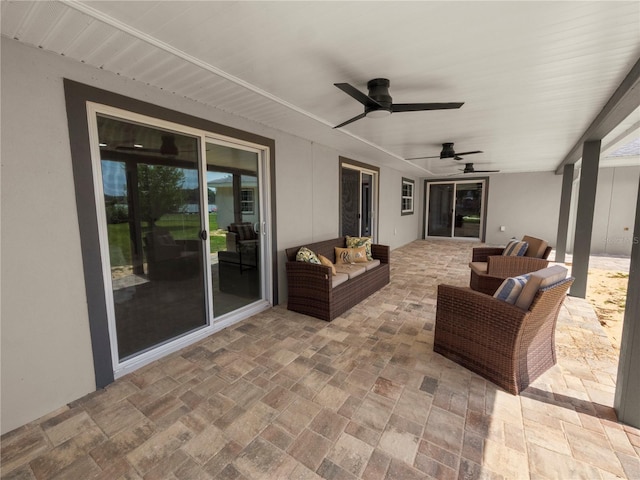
(607, 292)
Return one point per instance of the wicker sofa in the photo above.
(314, 291)
(506, 344)
(489, 267)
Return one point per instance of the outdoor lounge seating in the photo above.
(171, 259)
(314, 290)
(509, 345)
(489, 266)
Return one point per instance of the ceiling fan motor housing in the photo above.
(447, 150)
(379, 91)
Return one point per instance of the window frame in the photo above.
(409, 198)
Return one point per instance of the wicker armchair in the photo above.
(505, 344)
(489, 267)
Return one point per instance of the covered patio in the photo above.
(282, 395)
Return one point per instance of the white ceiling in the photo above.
(533, 75)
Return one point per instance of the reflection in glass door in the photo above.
(455, 209)
(358, 197)
(235, 226)
(151, 188)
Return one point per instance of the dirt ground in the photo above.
(607, 292)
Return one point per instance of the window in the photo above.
(408, 187)
(246, 201)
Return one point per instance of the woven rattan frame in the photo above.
(500, 267)
(309, 285)
(509, 346)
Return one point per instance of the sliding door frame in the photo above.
(77, 96)
(363, 168)
(483, 208)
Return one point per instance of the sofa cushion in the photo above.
(540, 279)
(306, 255)
(511, 288)
(325, 261)
(515, 248)
(479, 267)
(536, 248)
(371, 264)
(351, 269)
(339, 279)
(355, 242)
(351, 255)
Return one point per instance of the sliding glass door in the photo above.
(358, 197)
(183, 232)
(152, 195)
(235, 226)
(455, 209)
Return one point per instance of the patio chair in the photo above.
(170, 259)
(489, 266)
(504, 343)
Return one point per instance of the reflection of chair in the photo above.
(489, 267)
(169, 259)
(505, 344)
(242, 246)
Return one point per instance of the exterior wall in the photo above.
(615, 209)
(46, 349)
(532, 211)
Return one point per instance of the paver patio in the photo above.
(282, 395)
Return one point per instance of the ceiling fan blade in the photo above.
(485, 171)
(421, 158)
(358, 117)
(352, 91)
(468, 153)
(416, 107)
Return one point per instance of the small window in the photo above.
(246, 201)
(408, 187)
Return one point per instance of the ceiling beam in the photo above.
(622, 103)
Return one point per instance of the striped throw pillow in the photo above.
(515, 249)
(511, 288)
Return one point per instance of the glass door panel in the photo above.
(152, 197)
(367, 202)
(468, 210)
(350, 202)
(439, 220)
(235, 226)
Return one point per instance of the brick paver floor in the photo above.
(285, 396)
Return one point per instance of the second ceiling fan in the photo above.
(448, 152)
(379, 103)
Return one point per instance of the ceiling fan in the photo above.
(468, 168)
(448, 152)
(378, 103)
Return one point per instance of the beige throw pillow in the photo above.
(325, 261)
(351, 255)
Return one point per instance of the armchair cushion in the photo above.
(540, 279)
(537, 247)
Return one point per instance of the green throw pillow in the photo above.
(355, 242)
(306, 255)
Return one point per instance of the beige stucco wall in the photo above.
(525, 204)
(46, 350)
(614, 215)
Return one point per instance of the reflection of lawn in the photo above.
(181, 226)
